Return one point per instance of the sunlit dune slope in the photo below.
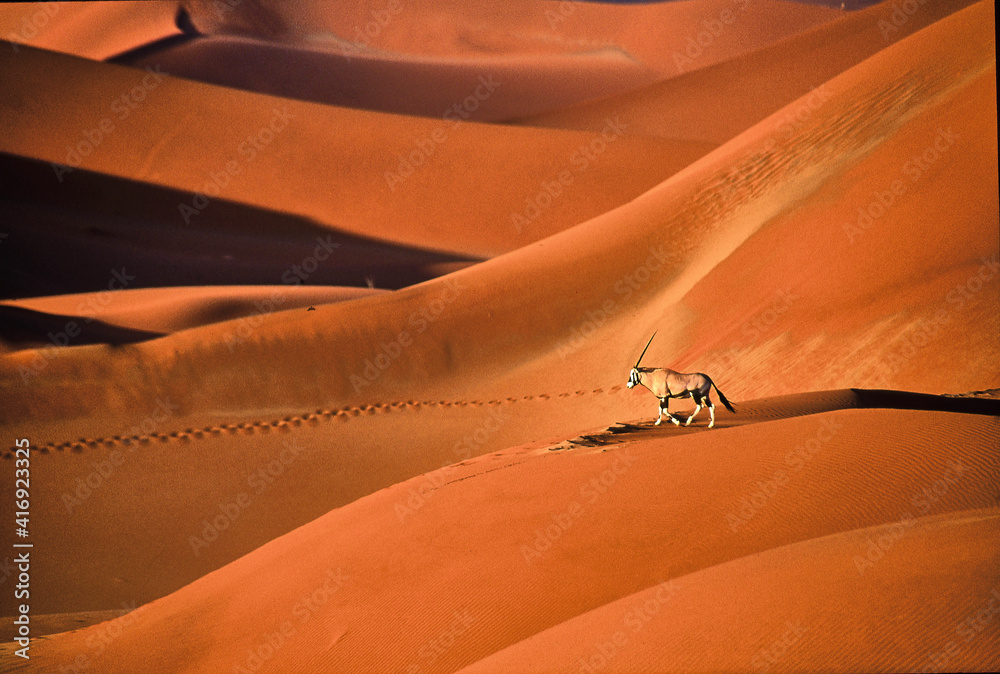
(749, 87)
(919, 302)
(95, 30)
(531, 345)
(451, 567)
(820, 605)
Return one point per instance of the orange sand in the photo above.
(372, 485)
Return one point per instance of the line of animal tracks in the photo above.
(750, 411)
(285, 424)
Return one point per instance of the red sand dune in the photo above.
(651, 34)
(802, 607)
(166, 310)
(756, 84)
(467, 559)
(348, 171)
(96, 30)
(487, 88)
(278, 501)
(515, 344)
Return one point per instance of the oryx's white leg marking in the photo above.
(693, 414)
(665, 409)
(711, 414)
(670, 415)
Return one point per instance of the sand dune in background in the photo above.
(136, 231)
(469, 555)
(756, 84)
(654, 34)
(166, 310)
(478, 360)
(95, 30)
(418, 58)
(426, 479)
(400, 83)
(347, 67)
(354, 172)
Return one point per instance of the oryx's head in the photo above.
(633, 377)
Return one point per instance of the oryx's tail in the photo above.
(725, 402)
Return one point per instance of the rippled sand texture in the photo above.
(321, 345)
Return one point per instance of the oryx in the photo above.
(666, 384)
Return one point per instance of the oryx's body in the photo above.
(666, 384)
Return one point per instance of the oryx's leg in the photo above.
(659, 412)
(698, 401)
(665, 409)
(711, 412)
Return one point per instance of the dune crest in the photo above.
(315, 387)
(699, 524)
(452, 352)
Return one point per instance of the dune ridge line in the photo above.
(862, 399)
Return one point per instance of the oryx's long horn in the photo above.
(644, 350)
